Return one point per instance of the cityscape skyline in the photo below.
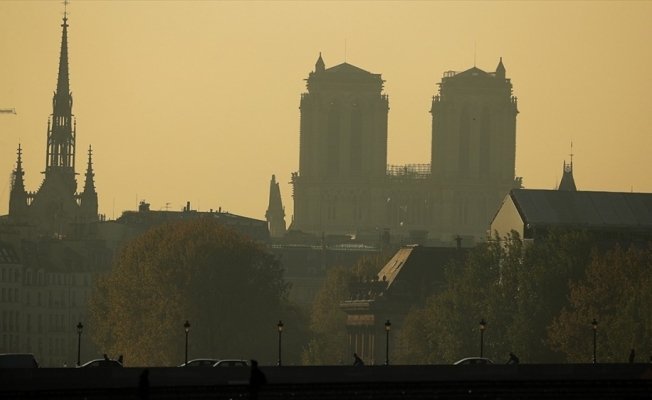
(140, 90)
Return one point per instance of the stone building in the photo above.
(406, 281)
(344, 183)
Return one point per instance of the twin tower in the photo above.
(345, 186)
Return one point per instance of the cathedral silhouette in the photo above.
(344, 185)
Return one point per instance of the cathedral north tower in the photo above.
(343, 143)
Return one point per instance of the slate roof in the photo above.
(584, 209)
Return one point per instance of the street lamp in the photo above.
(595, 331)
(80, 328)
(279, 326)
(482, 324)
(388, 327)
(186, 326)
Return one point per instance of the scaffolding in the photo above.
(409, 171)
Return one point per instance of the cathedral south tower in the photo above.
(343, 148)
(473, 147)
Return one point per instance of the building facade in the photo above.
(345, 185)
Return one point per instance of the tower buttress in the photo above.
(319, 65)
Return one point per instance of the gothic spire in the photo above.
(89, 184)
(61, 134)
(275, 214)
(18, 183)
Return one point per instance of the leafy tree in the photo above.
(328, 322)
(230, 289)
(616, 292)
(517, 288)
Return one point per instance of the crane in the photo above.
(7, 111)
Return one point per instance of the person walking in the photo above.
(257, 379)
(632, 355)
(512, 358)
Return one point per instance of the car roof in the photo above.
(473, 359)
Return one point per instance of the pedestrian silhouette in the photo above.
(143, 385)
(632, 354)
(120, 359)
(257, 379)
(512, 358)
(106, 358)
(358, 360)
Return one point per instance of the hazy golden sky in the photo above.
(198, 100)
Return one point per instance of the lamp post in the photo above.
(595, 331)
(388, 327)
(482, 324)
(279, 326)
(80, 328)
(186, 326)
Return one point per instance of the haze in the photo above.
(198, 101)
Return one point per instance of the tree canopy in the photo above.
(227, 286)
(517, 289)
(327, 321)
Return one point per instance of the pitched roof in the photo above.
(584, 209)
(346, 68)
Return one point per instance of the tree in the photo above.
(230, 289)
(616, 292)
(517, 288)
(328, 322)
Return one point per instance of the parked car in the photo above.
(474, 361)
(101, 363)
(231, 363)
(18, 360)
(201, 362)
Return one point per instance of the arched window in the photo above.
(333, 140)
(355, 160)
(485, 143)
(465, 136)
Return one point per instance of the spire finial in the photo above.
(65, 10)
(571, 154)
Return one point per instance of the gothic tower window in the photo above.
(333, 140)
(465, 136)
(485, 143)
(356, 141)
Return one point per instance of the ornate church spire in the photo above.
(18, 195)
(61, 132)
(18, 183)
(89, 184)
(275, 214)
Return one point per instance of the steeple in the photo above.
(18, 184)
(500, 69)
(18, 196)
(567, 180)
(319, 65)
(275, 214)
(89, 184)
(61, 130)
